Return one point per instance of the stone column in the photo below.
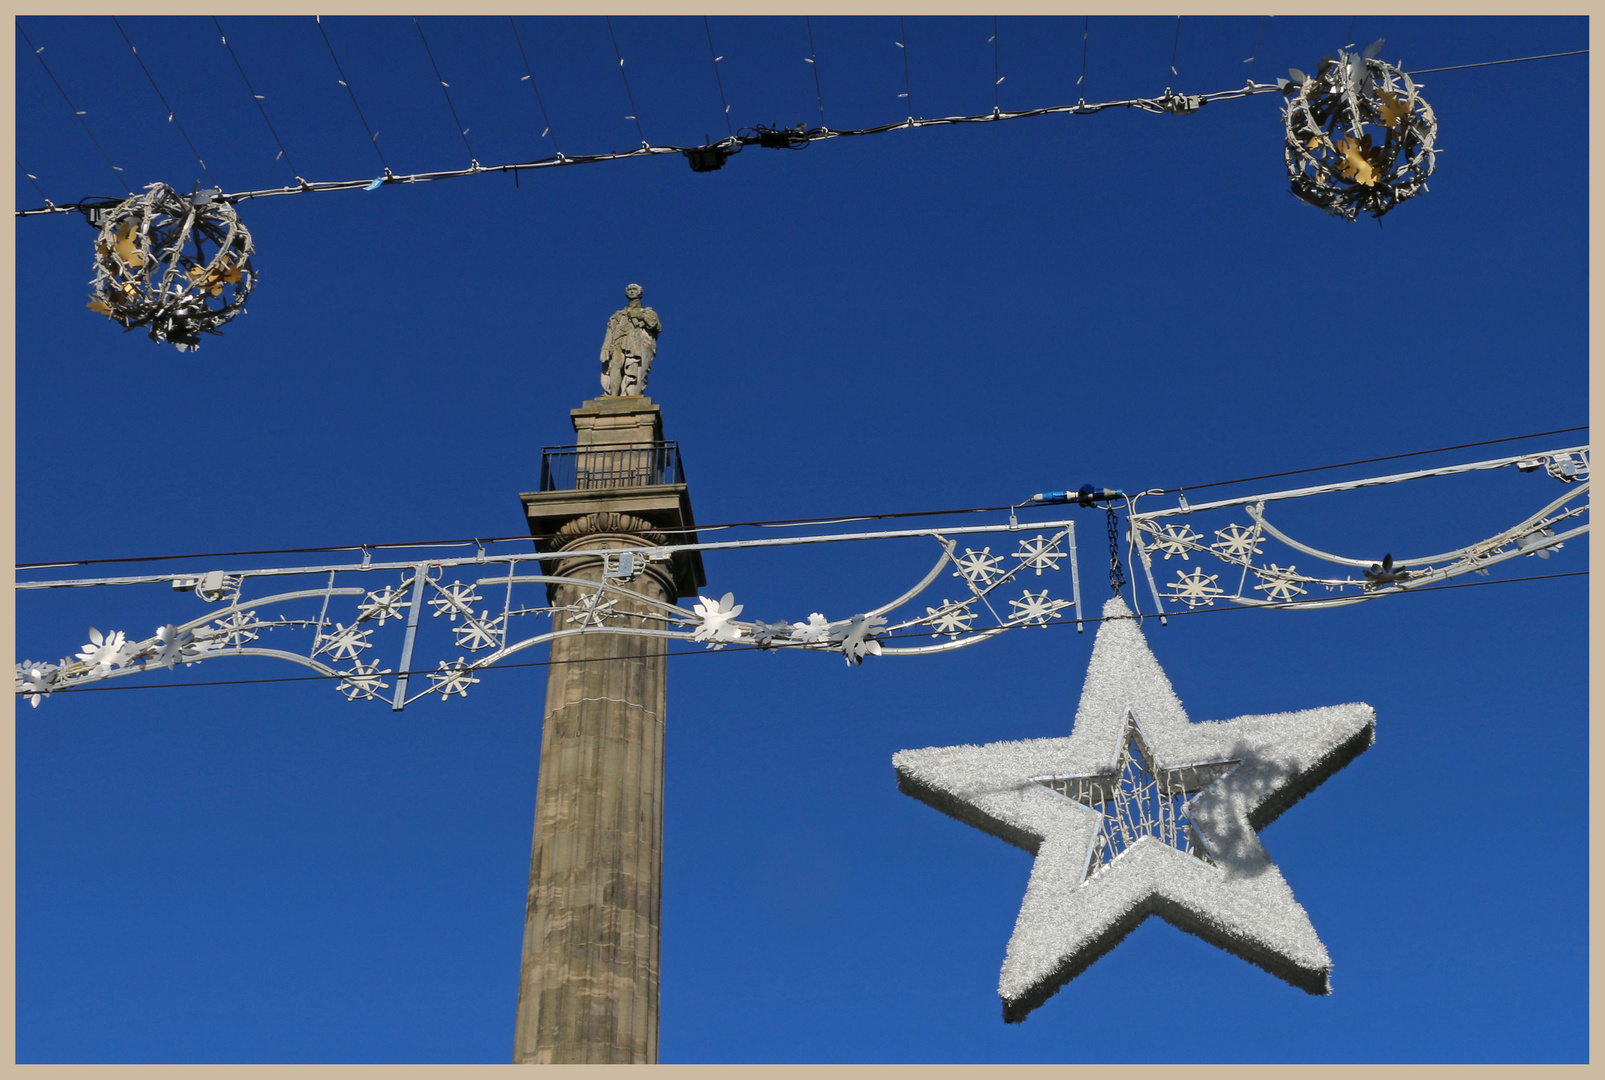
(588, 987)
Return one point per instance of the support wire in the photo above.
(38, 54)
(373, 136)
(172, 118)
(283, 153)
(445, 89)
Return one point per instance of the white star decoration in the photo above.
(1142, 812)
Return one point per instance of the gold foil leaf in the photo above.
(1357, 160)
(1394, 112)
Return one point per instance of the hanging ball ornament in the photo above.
(1359, 135)
(179, 265)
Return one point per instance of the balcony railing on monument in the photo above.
(580, 468)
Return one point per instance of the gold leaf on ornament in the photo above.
(1394, 112)
(214, 277)
(1358, 161)
(100, 306)
(127, 246)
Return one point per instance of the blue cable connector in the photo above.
(1085, 497)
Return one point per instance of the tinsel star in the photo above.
(1142, 812)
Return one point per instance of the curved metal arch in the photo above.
(490, 659)
(1465, 566)
(303, 594)
(212, 654)
(946, 646)
(947, 555)
(605, 586)
(1258, 515)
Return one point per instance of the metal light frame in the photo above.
(152, 267)
(339, 647)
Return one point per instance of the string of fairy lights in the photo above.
(1359, 139)
(704, 155)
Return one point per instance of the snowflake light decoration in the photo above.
(1035, 608)
(345, 642)
(452, 679)
(387, 603)
(1140, 812)
(454, 600)
(179, 265)
(592, 610)
(950, 619)
(1195, 588)
(481, 633)
(1359, 135)
(978, 567)
(1174, 540)
(1237, 543)
(236, 628)
(1279, 583)
(363, 682)
(1039, 554)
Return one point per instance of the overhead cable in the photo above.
(776, 523)
(1368, 461)
(1494, 63)
(1163, 105)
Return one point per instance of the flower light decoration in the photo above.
(1359, 135)
(179, 265)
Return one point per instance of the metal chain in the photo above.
(1117, 573)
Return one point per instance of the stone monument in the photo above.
(628, 347)
(588, 982)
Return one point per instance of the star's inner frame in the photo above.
(1140, 800)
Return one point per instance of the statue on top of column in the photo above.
(629, 346)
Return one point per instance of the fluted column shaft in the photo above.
(588, 987)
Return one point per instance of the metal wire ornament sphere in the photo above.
(1359, 135)
(179, 265)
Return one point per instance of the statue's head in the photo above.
(632, 292)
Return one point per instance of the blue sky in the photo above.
(941, 318)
